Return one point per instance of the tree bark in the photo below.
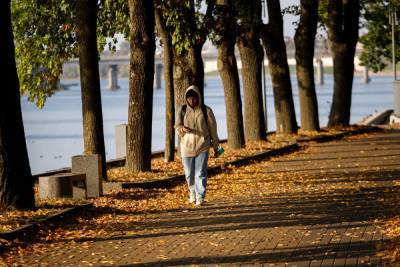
(251, 55)
(227, 67)
(304, 40)
(16, 181)
(188, 70)
(183, 76)
(197, 64)
(140, 85)
(274, 44)
(93, 135)
(343, 19)
(169, 153)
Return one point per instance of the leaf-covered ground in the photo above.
(120, 213)
(161, 169)
(12, 219)
(392, 229)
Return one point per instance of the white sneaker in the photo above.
(192, 198)
(199, 202)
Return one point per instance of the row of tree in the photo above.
(49, 32)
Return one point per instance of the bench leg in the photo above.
(79, 190)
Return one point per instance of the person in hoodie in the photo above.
(197, 128)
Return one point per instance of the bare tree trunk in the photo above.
(188, 70)
(196, 61)
(343, 70)
(183, 77)
(140, 111)
(93, 135)
(274, 44)
(304, 41)
(343, 19)
(251, 54)
(228, 71)
(16, 181)
(169, 153)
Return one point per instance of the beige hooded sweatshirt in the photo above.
(201, 137)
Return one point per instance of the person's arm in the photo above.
(212, 124)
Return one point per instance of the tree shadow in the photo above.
(301, 255)
(284, 211)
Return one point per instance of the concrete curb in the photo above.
(25, 229)
(377, 118)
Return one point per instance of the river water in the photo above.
(54, 133)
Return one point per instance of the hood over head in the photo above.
(195, 89)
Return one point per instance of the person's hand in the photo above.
(185, 130)
(215, 152)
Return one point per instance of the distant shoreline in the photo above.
(214, 74)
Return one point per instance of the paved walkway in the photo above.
(317, 207)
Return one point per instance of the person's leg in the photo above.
(201, 162)
(189, 167)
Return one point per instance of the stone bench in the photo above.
(91, 166)
(63, 185)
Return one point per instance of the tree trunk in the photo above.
(169, 153)
(93, 135)
(140, 109)
(16, 181)
(251, 55)
(274, 44)
(343, 70)
(228, 71)
(197, 64)
(188, 70)
(183, 76)
(304, 40)
(343, 19)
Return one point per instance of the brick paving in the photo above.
(321, 225)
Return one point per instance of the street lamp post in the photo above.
(265, 20)
(394, 23)
(264, 96)
(395, 118)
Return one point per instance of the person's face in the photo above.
(193, 101)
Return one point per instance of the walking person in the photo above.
(197, 128)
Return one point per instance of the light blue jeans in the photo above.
(196, 174)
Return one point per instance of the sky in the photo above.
(289, 28)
